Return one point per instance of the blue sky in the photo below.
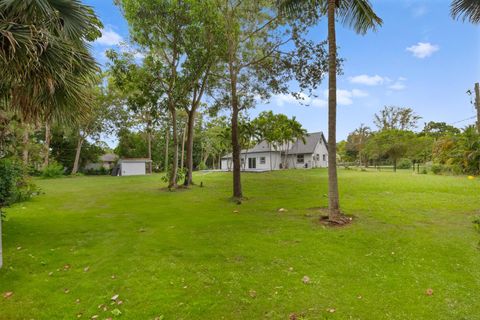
(419, 58)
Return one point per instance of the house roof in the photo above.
(134, 160)
(298, 147)
(311, 141)
(109, 157)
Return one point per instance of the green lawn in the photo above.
(187, 255)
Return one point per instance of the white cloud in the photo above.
(397, 86)
(368, 80)
(109, 38)
(419, 11)
(287, 99)
(359, 93)
(423, 49)
(344, 98)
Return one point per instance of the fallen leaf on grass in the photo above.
(86, 269)
(95, 317)
(115, 297)
(66, 290)
(331, 310)
(282, 210)
(429, 292)
(119, 302)
(66, 267)
(306, 279)
(116, 312)
(292, 316)
(7, 294)
(252, 293)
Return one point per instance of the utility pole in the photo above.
(477, 104)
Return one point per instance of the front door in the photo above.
(252, 163)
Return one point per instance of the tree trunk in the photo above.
(477, 104)
(167, 140)
(190, 129)
(76, 163)
(183, 146)
(149, 146)
(46, 159)
(26, 139)
(173, 172)
(394, 165)
(237, 184)
(333, 196)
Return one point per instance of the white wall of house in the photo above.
(255, 161)
(300, 161)
(320, 156)
(133, 168)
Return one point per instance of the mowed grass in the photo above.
(188, 255)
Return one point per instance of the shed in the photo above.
(133, 167)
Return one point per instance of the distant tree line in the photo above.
(443, 147)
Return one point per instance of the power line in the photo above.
(473, 117)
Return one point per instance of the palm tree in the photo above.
(359, 15)
(44, 57)
(467, 9)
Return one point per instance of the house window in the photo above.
(300, 158)
(262, 160)
(317, 157)
(242, 161)
(324, 157)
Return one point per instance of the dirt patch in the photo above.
(337, 222)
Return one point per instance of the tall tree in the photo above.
(396, 118)
(45, 60)
(359, 15)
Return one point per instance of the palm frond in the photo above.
(466, 10)
(358, 15)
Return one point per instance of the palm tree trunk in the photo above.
(76, 163)
(46, 159)
(333, 197)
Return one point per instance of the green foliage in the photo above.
(460, 153)
(53, 170)
(436, 168)
(97, 172)
(404, 163)
(202, 166)
(14, 184)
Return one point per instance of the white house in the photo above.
(132, 167)
(263, 157)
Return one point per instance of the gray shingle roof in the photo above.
(298, 147)
(311, 141)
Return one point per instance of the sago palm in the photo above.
(356, 14)
(466, 9)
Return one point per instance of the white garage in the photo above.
(133, 167)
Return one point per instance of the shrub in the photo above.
(436, 168)
(404, 163)
(202, 166)
(97, 172)
(53, 170)
(14, 184)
